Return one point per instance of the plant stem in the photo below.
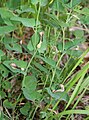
(29, 64)
(63, 31)
(55, 69)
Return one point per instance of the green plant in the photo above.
(39, 59)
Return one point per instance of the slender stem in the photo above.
(34, 112)
(29, 64)
(36, 48)
(55, 69)
(63, 30)
(46, 80)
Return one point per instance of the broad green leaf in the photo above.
(4, 71)
(43, 3)
(2, 95)
(79, 33)
(58, 95)
(25, 9)
(31, 95)
(6, 85)
(85, 11)
(57, 6)
(17, 48)
(16, 66)
(74, 53)
(85, 19)
(8, 104)
(7, 29)
(8, 22)
(30, 83)
(70, 44)
(34, 2)
(28, 22)
(71, 3)
(6, 15)
(29, 88)
(12, 44)
(25, 109)
(13, 4)
(9, 40)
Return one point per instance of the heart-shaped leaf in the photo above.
(29, 88)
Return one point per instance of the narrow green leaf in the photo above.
(1, 54)
(77, 76)
(84, 84)
(40, 67)
(43, 45)
(75, 92)
(85, 112)
(32, 45)
(78, 62)
(49, 61)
